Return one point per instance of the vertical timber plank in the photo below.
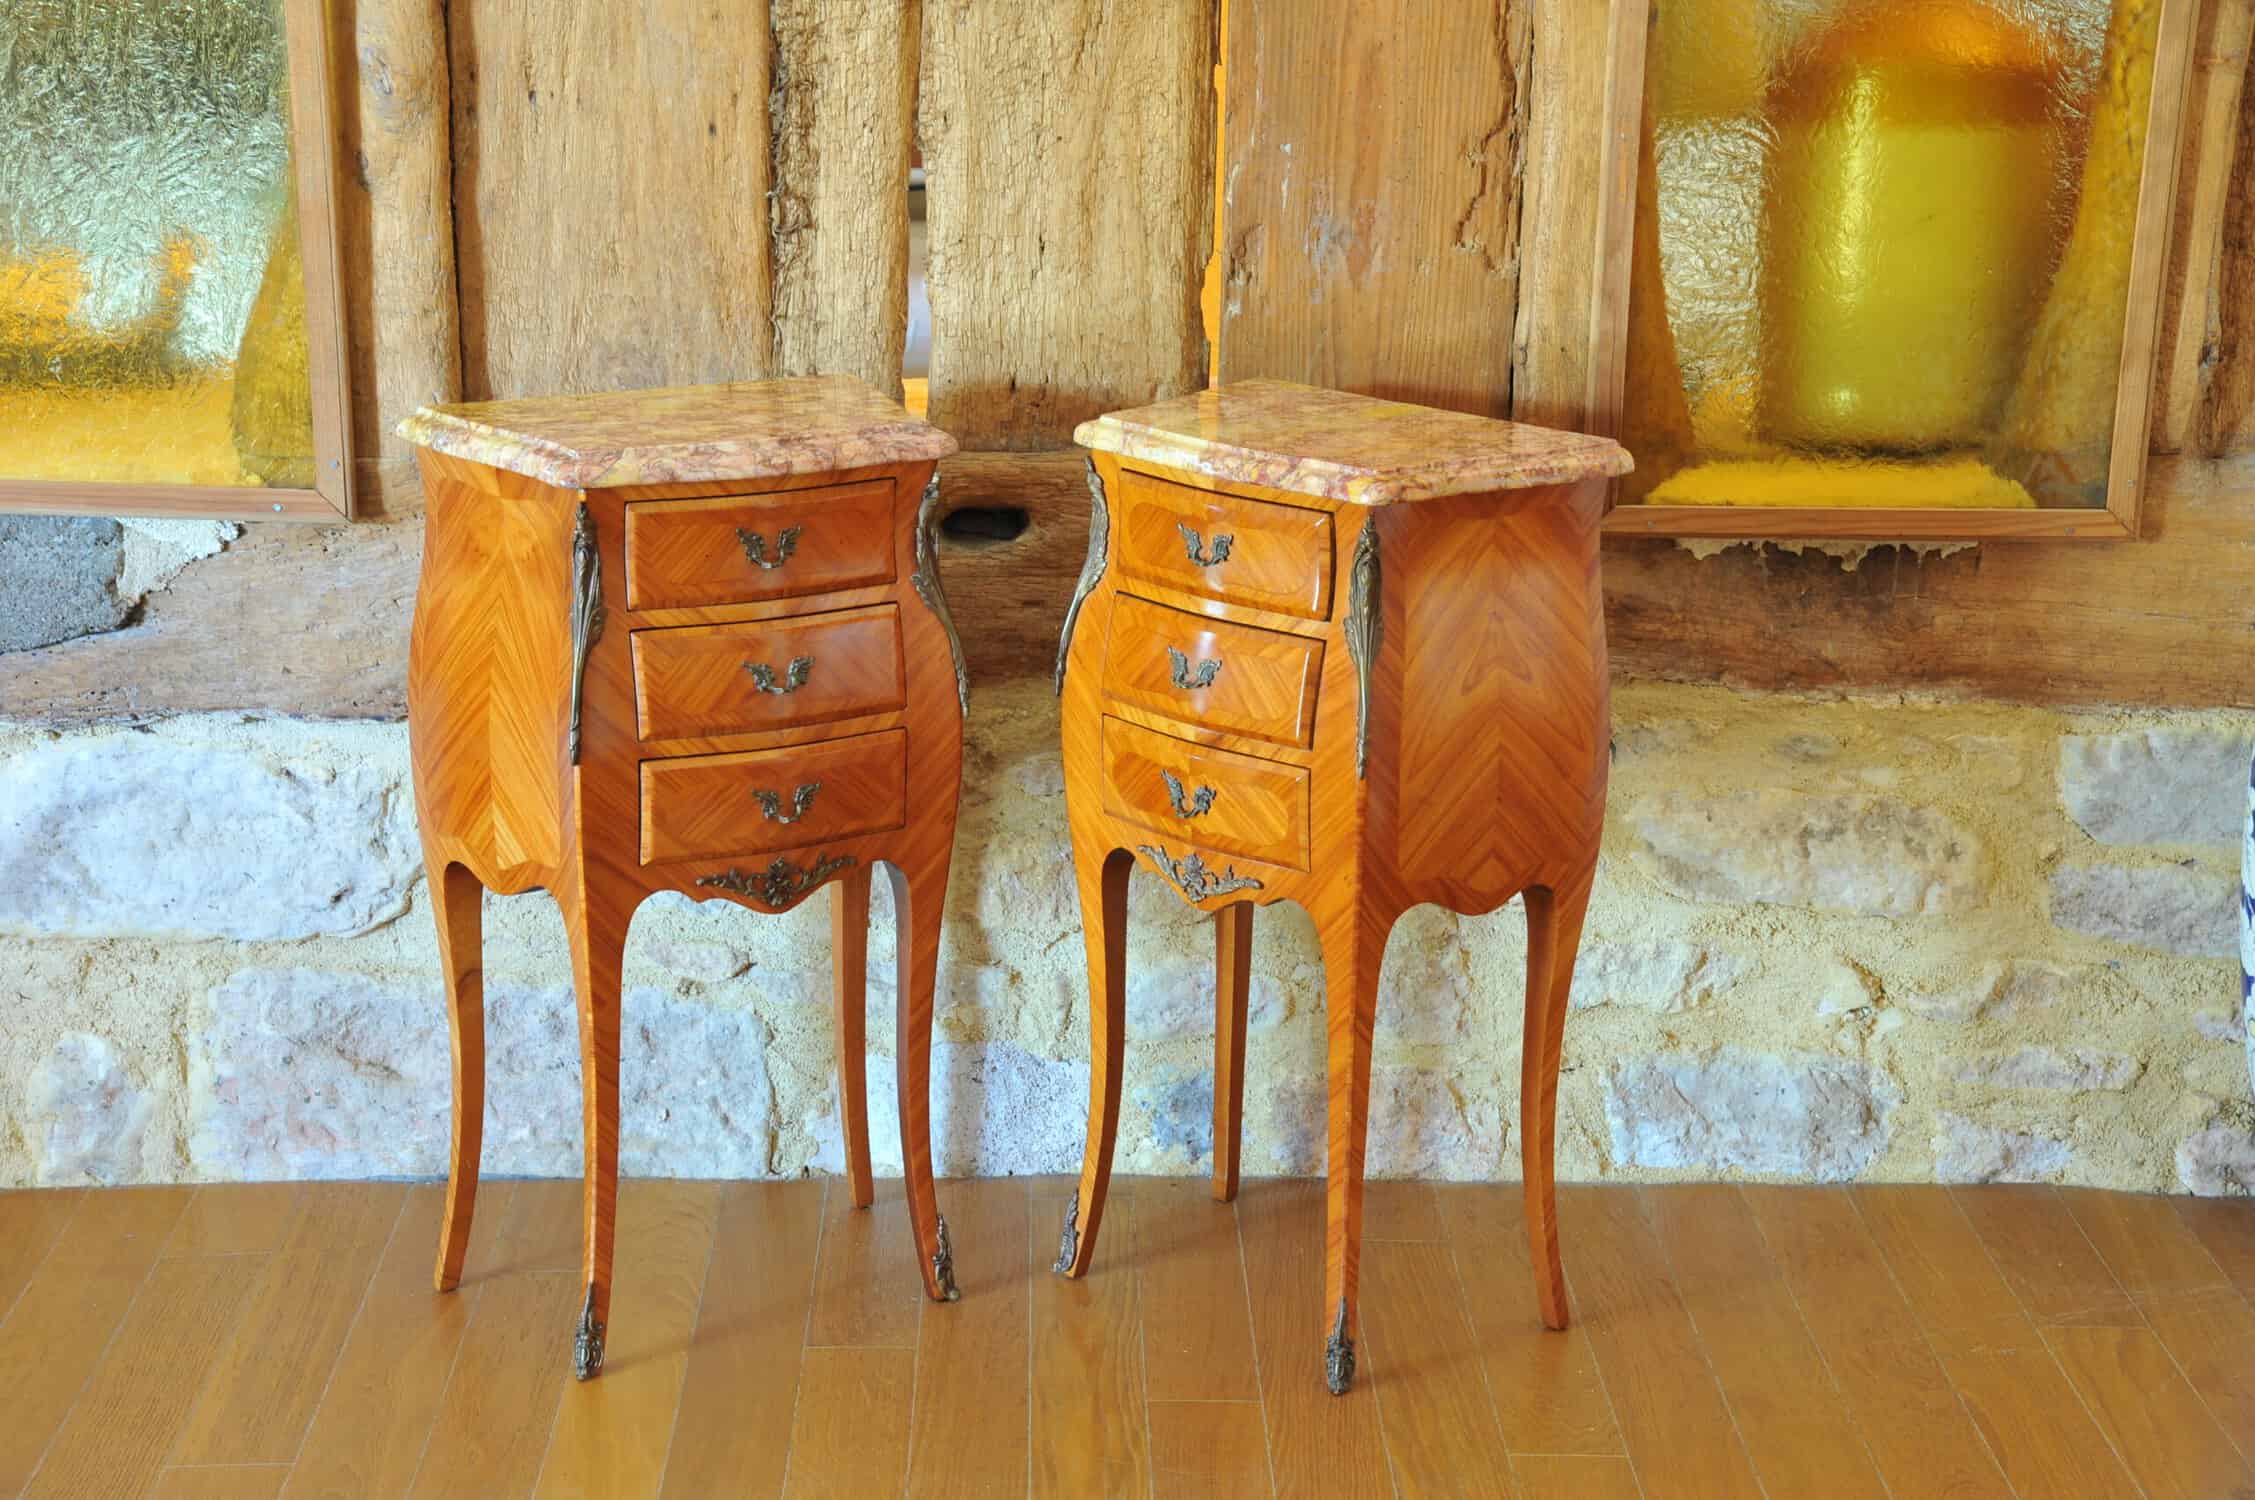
(1370, 237)
(2190, 325)
(611, 169)
(396, 215)
(843, 102)
(1068, 149)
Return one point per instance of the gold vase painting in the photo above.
(152, 299)
(1883, 250)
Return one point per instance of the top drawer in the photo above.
(1251, 552)
(738, 549)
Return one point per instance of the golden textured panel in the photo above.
(1884, 256)
(152, 299)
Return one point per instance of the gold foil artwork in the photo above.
(1883, 250)
(152, 300)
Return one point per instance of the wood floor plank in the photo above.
(1557, 1476)
(374, 1419)
(2043, 1439)
(1674, 1423)
(499, 1406)
(2226, 1226)
(845, 1444)
(2150, 1415)
(541, 1230)
(1434, 1413)
(31, 1220)
(239, 1218)
(259, 1401)
(733, 1431)
(969, 1434)
(868, 1288)
(117, 1436)
(1197, 1327)
(612, 1432)
(1919, 1433)
(1797, 1426)
(1206, 1450)
(1960, 1298)
(1319, 1444)
(1548, 1395)
(225, 1482)
(2212, 1336)
(1089, 1432)
(2051, 1267)
(1395, 1210)
(2143, 1242)
(64, 1320)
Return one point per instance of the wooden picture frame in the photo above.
(314, 160)
(1622, 122)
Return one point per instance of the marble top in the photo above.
(753, 429)
(1343, 447)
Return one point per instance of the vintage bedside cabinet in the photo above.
(1348, 653)
(685, 640)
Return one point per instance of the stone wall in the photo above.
(1878, 938)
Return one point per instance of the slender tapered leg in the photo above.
(596, 923)
(1103, 880)
(919, 902)
(1354, 945)
(457, 904)
(1554, 936)
(1233, 982)
(849, 974)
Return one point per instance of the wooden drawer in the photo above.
(701, 680)
(1251, 552)
(1237, 678)
(710, 806)
(742, 548)
(1210, 799)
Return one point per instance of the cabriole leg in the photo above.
(1554, 936)
(849, 989)
(457, 904)
(919, 905)
(596, 926)
(1233, 981)
(1353, 948)
(1103, 880)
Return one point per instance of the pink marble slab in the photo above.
(754, 429)
(1343, 447)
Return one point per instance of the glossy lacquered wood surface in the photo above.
(735, 548)
(860, 749)
(1471, 771)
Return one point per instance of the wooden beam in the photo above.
(844, 100)
(611, 169)
(2190, 319)
(1371, 226)
(1068, 154)
(396, 213)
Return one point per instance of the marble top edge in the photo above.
(682, 435)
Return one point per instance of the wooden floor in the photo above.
(260, 1341)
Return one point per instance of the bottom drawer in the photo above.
(1211, 799)
(711, 806)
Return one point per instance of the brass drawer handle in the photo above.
(755, 546)
(1186, 679)
(1201, 801)
(781, 882)
(1200, 554)
(771, 803)
(794, 676)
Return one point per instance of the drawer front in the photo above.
(1236, 678)
(711, 806)
(739, 549)
(1250, 552)
(1212, 799)
(696, 680)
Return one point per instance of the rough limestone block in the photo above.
(1182, 1114)
(1815, 1117)
(1665, 976)
(302, 1073)
(1968, 1151)
(1424, 1122)
(2218, 1161)
(58, 579)
(1425, 982)
(85, 1114)
(1878, 856)
(2183, 909)
(2082, 1070)
(2156, 786)
(997, 1110)
(1177, 999)
(125, 836)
